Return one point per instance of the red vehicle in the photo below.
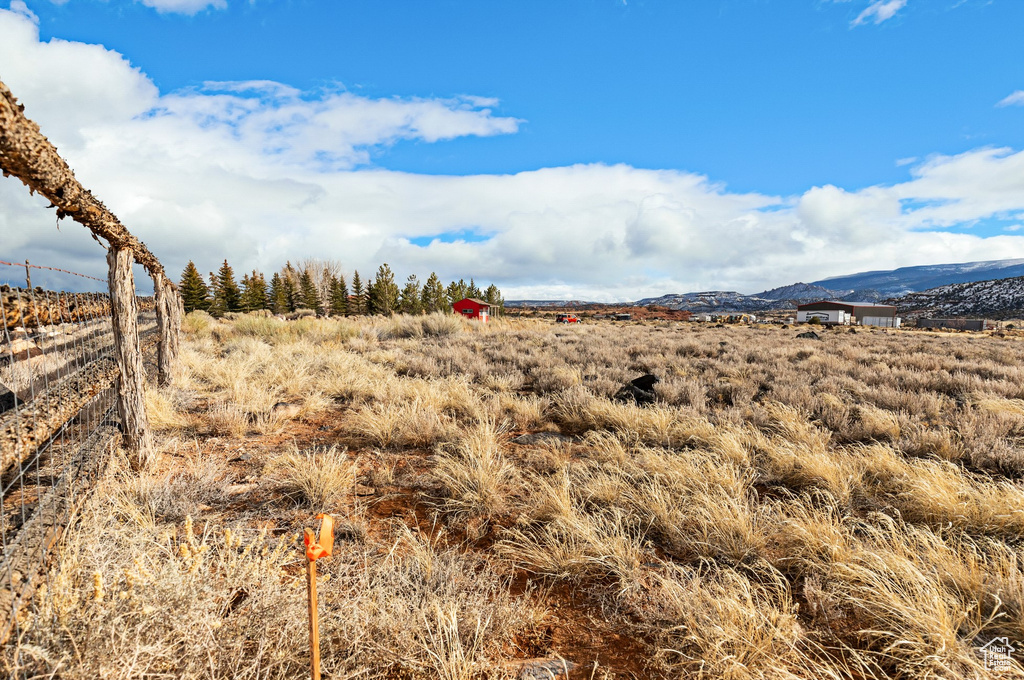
(567, 318)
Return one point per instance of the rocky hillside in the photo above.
(995, 299)
(711, 301)
(905, 280)
(801, 291)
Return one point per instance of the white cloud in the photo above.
(1015, 99)
(260, 172)
(879, 11)
(332, 129)
(189, 7)
(183, 6)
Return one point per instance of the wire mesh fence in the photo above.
(57, 426)
(66, 360)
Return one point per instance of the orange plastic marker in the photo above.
(316, 549)
(324, 546)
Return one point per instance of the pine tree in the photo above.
(339, 296)
(291, 293)
(432, 297)
(357, 304)
(242, 306)
(278, 295)
(383, 292)
(308, 294)
(409, 301)
(290, 279)
(456, 291)
(492, 296)
(371, 298)
(472, 291)
(262, 291)
(254, 292)
(195, 294)
(227, 289)
(217, 307)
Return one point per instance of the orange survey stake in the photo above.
(315, 549)
(324, 546)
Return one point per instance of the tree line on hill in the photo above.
(321, 287)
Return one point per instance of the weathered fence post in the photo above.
(168, 322)
(131, 399)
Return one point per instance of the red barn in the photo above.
(471, 308)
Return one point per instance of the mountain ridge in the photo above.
(870, 286)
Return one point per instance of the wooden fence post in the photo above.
(175, 309)
(131, 401)
(166, 350)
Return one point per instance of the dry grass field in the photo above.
(845, 508)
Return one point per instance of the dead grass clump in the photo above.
(433, 325)
(391, 424)
(724, 625)
(578, 411)
(417, 609)
(938, 493)
(171, 496)
(164, 411)
(474, 474)
(318, 478)
(197, 322)
(263, 327)
(869, 423)
(578, 545)
(909, 623)
(801, 469)
(228, 418)
(939, 442)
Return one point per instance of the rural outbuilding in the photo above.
(472, 308)
(844, 313)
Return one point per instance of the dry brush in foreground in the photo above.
(849, 508)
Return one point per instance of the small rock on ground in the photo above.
(639, 390)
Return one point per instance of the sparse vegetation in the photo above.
(853, 509)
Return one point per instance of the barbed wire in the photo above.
(52, 269)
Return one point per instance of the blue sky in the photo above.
(781, 128)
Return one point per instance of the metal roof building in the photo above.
(845, 312)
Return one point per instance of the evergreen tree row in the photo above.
(325, 291)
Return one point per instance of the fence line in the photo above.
(57, 438)
(28, 266)
(68, 363)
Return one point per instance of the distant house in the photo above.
(472, 308)
(958, 324)
(844, 313)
